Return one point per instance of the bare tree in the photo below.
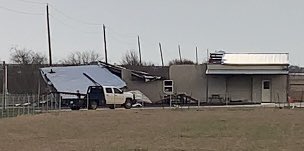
(130, 58)
(295, 69)
(84, 57)
(178, 61)
(26, 56)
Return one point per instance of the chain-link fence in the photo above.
(21, 104)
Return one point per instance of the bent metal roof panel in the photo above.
(73, 78)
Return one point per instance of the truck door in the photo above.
(96, 94)
(118, 96)
(109, 96)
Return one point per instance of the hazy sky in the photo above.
(230, 25)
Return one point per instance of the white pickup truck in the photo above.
(103, 96)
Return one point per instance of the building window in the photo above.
(266, 85)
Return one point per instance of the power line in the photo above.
(20, 12)
(119, 39)
(128, 35)
(75, 19)
(32, 2)
(73, 27)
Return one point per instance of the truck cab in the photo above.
(104, 96)
(115, 96)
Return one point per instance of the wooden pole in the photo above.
(180, 55)
(196, 55)
(3, 95)
(138, 42)
(105, 43)
(207, 56)
(49, 35)
(161, 54)
(5, 85)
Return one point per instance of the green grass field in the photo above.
(207, 129)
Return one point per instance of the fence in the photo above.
(16, 105)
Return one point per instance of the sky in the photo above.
(229, 25)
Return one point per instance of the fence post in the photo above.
(13, 98)
(2, 107)
(55, 101)
(199, 103)
(28, 104)
(18, 107)
(33, 104)
(38, 102)
(60, 100)
(87, 101)
(7, 108)
(47, 103)
(23, 108)
(142, 101)
(170, 100)
(52, 101)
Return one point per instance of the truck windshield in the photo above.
(117, 91)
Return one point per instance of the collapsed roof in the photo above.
(79, 78)
(138, 74)
(70, 79)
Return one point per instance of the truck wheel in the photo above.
(75, 108)
(93, 105)
(111, 106)
(128, 104)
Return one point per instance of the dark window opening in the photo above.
(117, 91)
(108, 90)
(168, 83)
(266, 85)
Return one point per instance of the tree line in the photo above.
(28, 56)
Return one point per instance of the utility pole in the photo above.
(138, 42)
(49, 34)
(180, 55)
(207, 55)
(4, 85)
(196, 55)
(161, 54)
(105, 43)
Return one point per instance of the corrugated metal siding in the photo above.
(257, 59)
(239, 88)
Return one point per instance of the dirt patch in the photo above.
(141, 130)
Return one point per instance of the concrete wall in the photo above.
(189, 79)
(153, 89)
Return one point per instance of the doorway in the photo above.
(266, 87)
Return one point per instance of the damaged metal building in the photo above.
(226, 77)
